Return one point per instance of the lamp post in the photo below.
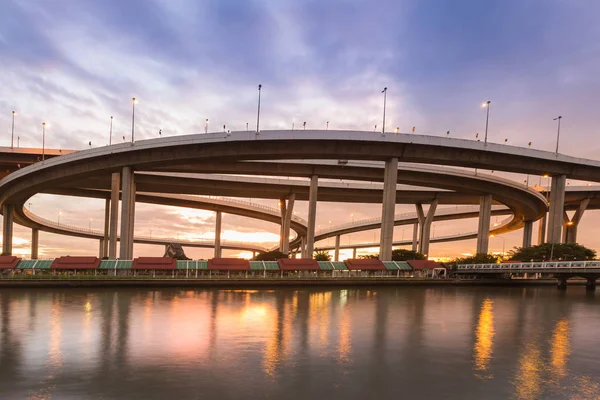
(327, 126)
(110, 131)
(558, 133)
(12, 130)
(133, 101)
(90, 225)
(43, 141)
(206, 126)
(58, 217)
(487, 119)
(258, 113)
(503, 243)
(384, 91)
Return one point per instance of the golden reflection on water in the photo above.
(344, 343)
(560, 349)
(320, 315)
(529, 374)
(484, 334)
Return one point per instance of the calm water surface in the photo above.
(384, 343)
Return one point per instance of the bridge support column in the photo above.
(218, 234)
(114, 215)
(562, 283)
(7, 229)
(527, 233)
(542, 230)
(303, 247)
(104, 251)
(425, 226)
(287, 211)
(557, 206)
(483, 232)
(101, 248)
(590, 284)
(132, 215)
(126, 209)
(35, 243)
(312, 216)
(354, 253)
(336, 254)
(415, 241)
(570, 227)
(388, 209)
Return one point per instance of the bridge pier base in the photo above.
(425, 226)
(562, 284)
(35, 242)
(590, 284)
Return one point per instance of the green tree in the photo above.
(369, 256)
(404, 255)
(480, 258)
(270, 256)
(558, 251)
(322, 255)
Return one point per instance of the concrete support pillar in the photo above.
(570, 234)
(104, 252)
(336, 255)
(125, 210)
(415, 241)
(542, 230)
(483, 232)
(354, 253)
(287, 211)
(425, 226)
(557, 206)
(101, 248)
(218, 235)
(303, 247)
(114, 215)
(132, 215)
(312, 216)
(7, 229)
(35, 243)
(388, 209)
(527, 233)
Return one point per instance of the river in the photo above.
(382, 343)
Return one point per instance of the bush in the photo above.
(270, 256)
(559, 251)
(322, 255)
(480, 258)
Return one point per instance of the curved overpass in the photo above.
(255, 151)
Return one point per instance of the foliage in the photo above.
(480, 258)
(322, 255)
(404, 255)
(270, 256)
(399, 255)
(559, 251)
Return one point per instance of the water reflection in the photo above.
(350, 343)
(484, 343)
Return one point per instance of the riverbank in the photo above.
(269, 283)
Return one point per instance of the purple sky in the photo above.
(76, 63)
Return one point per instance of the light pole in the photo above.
(43, 140)
(12, 130)
(503, 243)
(327, 126)
(558, 133)
(133, 101)
(90, 225)
(206, 126)
(384, 91)
(487, 119)
(110, 131)
(258, 113)
(58, 217)
(29, 207)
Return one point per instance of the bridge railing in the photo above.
(593, 264)
(272, 210)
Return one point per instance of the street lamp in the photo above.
(43, 141)
(384, 91)
(58, 217)
(206, 126)
(12, 130)
(503, 243)
(327, 126)
(487, 119)
(90, 225)
(110, 131)
(558, 133)
(258, 113)
(133, 101)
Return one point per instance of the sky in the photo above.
(75, 63)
